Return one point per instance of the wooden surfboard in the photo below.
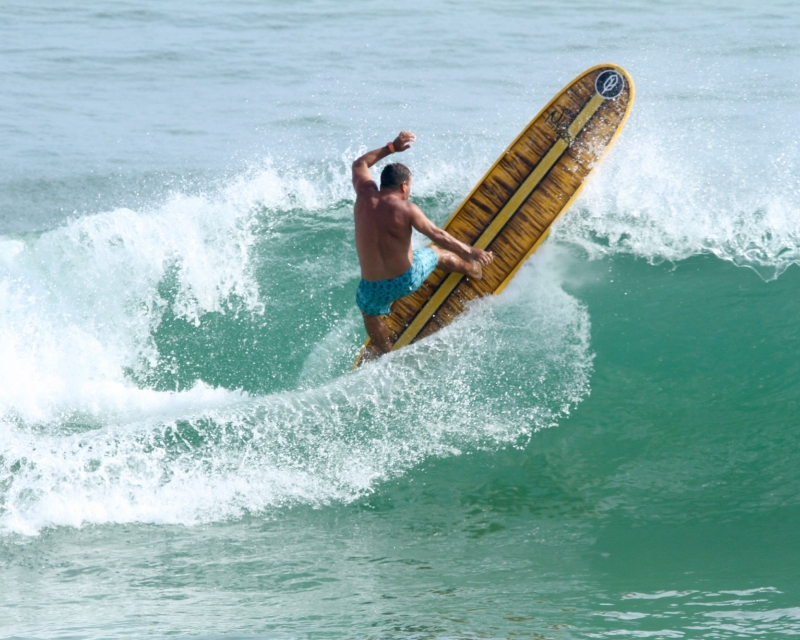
(511, 209)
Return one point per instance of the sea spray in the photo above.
(658, 198)
(509, 367)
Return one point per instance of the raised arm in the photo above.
(422, 224)
(361, 172)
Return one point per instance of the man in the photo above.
(384, 218)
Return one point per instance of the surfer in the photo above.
(384, 217)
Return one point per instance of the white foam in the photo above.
(791, 613)
(511, 366)
(657, 595)
(751, 592)
(78, 303)
(663, 197)
(623, 615)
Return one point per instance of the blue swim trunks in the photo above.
(374, 296)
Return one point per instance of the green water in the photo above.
(609, 448)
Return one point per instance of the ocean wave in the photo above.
(83, 443)
(662, 199)
(98, 426)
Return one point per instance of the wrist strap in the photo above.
(390, 147)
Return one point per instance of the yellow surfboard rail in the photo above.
(511, 209)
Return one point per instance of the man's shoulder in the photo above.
(366, 188)
(367, 200)
(397, 205)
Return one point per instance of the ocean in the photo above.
(609, 448)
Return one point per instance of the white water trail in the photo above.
(227, 454)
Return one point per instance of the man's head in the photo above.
(394, 175)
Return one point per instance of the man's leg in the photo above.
(378, 333)
(451, 263)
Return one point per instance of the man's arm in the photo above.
(422, 224)
(361, 172)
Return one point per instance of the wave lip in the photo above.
(655, 199)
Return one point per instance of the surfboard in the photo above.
(512, 207)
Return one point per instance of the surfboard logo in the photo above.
(609, 84)
(559, 120)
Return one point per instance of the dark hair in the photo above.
(393, 175)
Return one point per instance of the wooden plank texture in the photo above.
(511, 209)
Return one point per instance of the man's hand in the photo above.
(483, 257)
(403, 141)
(361, 175)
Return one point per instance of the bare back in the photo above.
(384, 220)
(383, 232)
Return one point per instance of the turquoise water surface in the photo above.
(609, 448)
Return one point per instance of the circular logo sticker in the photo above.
(609, 84)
